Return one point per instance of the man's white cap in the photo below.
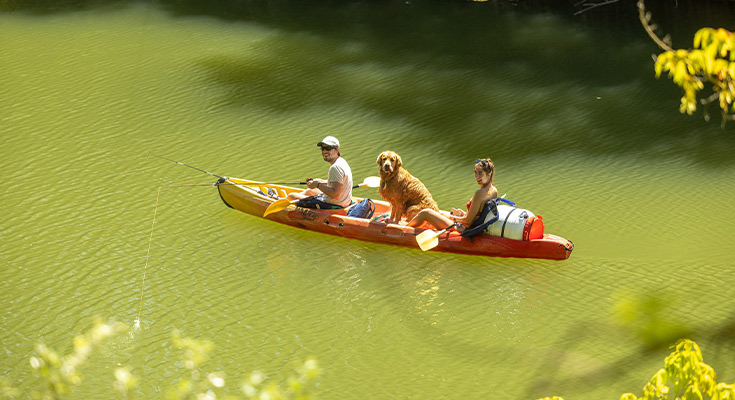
(329, 141)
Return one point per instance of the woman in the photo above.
(484, 172)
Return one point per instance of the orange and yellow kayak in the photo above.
(250, 197)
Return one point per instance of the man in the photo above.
(336, 190)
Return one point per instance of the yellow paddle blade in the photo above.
(428, 245)
(276, 206)
(428, 239)
(371, 181)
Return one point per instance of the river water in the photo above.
(580, 130)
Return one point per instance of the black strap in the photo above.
(313, 202)
(480, 225)
(502, 231)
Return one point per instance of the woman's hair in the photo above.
(487, 165)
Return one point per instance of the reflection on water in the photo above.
(428, 288)
(580, 130)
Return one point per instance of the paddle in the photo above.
(278, 205)
(370, 181)
(429, 239)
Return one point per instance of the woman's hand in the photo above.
(458, 213)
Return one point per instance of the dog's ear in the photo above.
(399, 162)
(380, 158)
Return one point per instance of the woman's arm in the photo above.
(478, 202)
(469, 217)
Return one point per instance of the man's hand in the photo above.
(314, 183)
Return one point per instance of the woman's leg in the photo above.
(433, 217)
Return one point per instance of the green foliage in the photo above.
(7, 389)
(710, 62)
(255, 386)
(685, 376)
(298, 387)
(62, 373)
(648, 317)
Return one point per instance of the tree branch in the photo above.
(592, 5)
(646, 22)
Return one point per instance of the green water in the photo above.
(578, 127)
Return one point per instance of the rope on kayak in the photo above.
(150, 240)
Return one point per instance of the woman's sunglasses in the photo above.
(485, 164)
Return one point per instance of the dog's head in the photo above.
(389, 163)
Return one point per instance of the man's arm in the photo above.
(331, 189)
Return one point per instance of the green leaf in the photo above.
(692, 393)
(698, 37)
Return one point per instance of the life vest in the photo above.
(507, 221)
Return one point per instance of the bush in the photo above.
(684, 376)
(62, 373)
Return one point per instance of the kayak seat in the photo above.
(271, 193)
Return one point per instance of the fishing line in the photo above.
(153, 223)
(150, 240)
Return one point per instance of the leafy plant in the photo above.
(255, 386)
(711, 62)
(685, 376)
(62, 373)
(648, 316)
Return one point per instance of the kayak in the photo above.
(253, 197)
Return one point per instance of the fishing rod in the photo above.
(222, 178)
(217, 176)
(180, 163)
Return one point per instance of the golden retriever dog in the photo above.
(405, 193)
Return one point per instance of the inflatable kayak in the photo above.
(253, 197)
